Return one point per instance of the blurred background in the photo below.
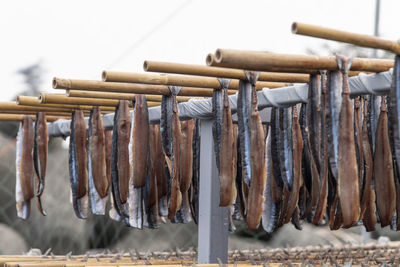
(79, 39)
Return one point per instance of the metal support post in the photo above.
(213, 220)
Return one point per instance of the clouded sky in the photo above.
(79, 39)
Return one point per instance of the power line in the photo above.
(148, 34)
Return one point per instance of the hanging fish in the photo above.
(24, 190)
(383, 170)
(324, 156)
(257, 161)
(241, 199)
(358, 142)
(97, 167)
(224, 147)
(171, 138)
(394, 115)
(78, 165)
(270, 212)
(368, 208)
(347, 162)
(194, 187)
(285, 156)
(277, 183)
(334, 103)
(297, 151)
(120, 167)
(186, 170)
(140, 141)
(244, 112)
(160, 173)
(108, 142)
(135, 203)
(40, 150)
(151, 188)
(310, 123)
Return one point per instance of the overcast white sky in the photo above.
(79, 39)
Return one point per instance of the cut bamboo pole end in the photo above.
(264, 61)
(346, 37)
(228, 73)
(177, 80)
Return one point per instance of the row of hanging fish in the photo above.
(31, 160)
(150, 169)
(332, 160)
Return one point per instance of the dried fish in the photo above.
(108, 142)
(194, 187)
(270, 213)
(97, 167)
(258, 174)
(324, 157)
(140, 141)
(241, 199)
(171, 138)
(120, 167)
(297, 180)
(40, 150)
(78, 165)
(383, 170)
(347, 162)
(186, 170)
(224, 147)
(24, 190)
(368, 196)
(244, 112)
(334, 103)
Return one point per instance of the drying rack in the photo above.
(213, 220)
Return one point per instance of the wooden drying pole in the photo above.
(135, 88)
(200, 70)
(61, 99)
(263, 61)
(181, 80)
(106, 95)
(34, 101)
(20, 117)
(346, 37)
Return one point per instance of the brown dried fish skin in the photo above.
(227, 170)
(80, 153)
(98, 153)
(347, 162)
(40, 151)
(140, 141)
(258, 171)
(124, 129)
(186, 156)
(297, 143)
(26, 168)
(383, 171)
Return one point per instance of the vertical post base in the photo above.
(213, 220)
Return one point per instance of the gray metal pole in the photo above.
(213, 220)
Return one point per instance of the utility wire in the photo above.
(148, 34)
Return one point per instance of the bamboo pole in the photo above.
(181, 80)
(46, 98)
(34, 101)
(106, 95)
(12, 106)
(200, 70)
(20, 117)
(89, 85)
(262, 61)
(346, 37)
